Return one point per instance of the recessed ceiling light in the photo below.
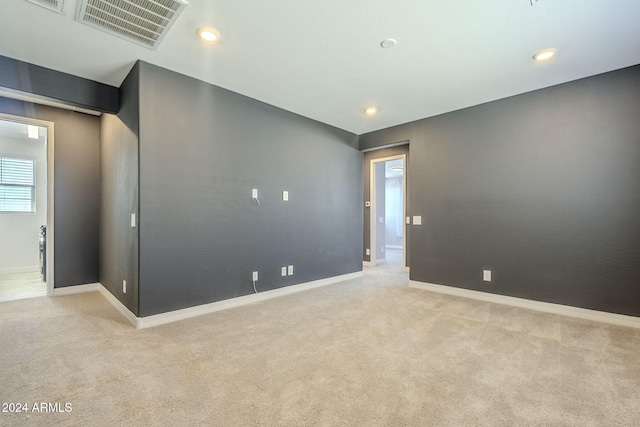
(543, 55)
(208, 34)
(388, 43)
(371, 110)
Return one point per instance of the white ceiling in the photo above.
(323, 60)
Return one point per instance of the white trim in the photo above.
(76, 289)
(406, 269)
(381, 147)
(43, 100)
(119, 306)
(546, 307)
(187, 313)
(367, 264)
(50, 276)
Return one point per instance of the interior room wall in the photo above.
(202, 150)
(541, 188)
(119, 196)
(21, 231)
(378, 206)
(77, 189)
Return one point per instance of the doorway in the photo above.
(26, 208)
(387, 211)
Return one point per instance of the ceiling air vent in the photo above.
(144, 22)
(55, 5)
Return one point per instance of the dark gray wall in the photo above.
(77, 189)
(367, 158)
(54, 85)
(378, 206)
(119, 167)
(202, 150)
(542, 188)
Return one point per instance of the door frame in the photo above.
(372, 216)
(50, 276)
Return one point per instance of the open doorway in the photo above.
(388, 207)
(26, 208)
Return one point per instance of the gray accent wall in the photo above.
(541, 188)
(77, 189)
(202, 150)
(119, 170)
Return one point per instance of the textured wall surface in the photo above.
(541, 188)
(202, 150)
(119, 171)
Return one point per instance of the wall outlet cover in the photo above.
(290, 270)
(284, 271)
(486, 275)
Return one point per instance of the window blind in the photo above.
(17, 184)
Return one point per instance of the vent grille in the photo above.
(55, 5)
(144, 22)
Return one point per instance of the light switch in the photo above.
(290, 270)
(486, 275)
(133, 220)
(408, 220)
(254, 193)
(285, 196)
(417, 220)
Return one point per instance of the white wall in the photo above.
(19, 233)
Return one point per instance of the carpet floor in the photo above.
(365, 352)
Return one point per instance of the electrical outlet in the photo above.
(254, 193)
(255, 276)
(486, 275)
(290, 270)
(367, 251)
(124, 286)
(285, 196)
(284, 271)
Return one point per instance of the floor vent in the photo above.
(55, 5)
(144, 22)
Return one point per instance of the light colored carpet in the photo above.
(367, 352)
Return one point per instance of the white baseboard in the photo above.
(393, 246)
(406, 269)
(186, 313)
(367, 264)
(546, 307)
(132, 318)
(77, 289)
(17, 270)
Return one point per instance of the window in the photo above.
(17, 184)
